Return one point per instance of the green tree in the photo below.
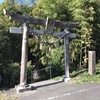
(96, 28)
(84, 12)
(10, 45)
(54, 9)
(57, 9)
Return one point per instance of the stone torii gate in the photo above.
(49, 24)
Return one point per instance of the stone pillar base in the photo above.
(66, 79)
(22, 88)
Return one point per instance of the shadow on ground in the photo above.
(46, 85)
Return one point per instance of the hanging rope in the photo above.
(46, 42)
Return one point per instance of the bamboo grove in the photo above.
(86, 12)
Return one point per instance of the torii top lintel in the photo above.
(38, 21)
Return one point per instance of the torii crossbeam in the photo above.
(49, 24)
(38, 21)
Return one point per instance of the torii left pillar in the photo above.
(24, 57)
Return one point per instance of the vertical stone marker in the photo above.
(91, 62)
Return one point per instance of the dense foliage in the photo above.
(87, 12)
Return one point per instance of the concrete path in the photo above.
(58, 90)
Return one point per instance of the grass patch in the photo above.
(3, 97)
(83, 76)
(7, 97)
(58, 77)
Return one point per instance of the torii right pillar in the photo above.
(66, 53)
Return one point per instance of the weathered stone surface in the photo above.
(91, 62)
